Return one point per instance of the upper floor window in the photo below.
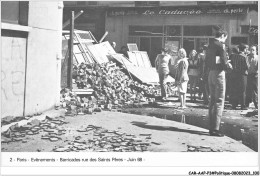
(147, 3)
(211, 2)
(15, 12)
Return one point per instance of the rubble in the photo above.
(192, 148)
(49, 126)
(99, 139)
(113, 90)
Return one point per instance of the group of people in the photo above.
(243, 78)
(206, 71)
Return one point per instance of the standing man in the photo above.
(217, 63)
(252, 78)
(239, 77)
(162, 67)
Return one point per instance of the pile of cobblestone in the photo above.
(113, 89)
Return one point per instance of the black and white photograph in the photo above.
(128, 76)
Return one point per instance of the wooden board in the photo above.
(121, 59)
(132, 58)
(146, 60)
(139, 59)
(108, 48)
(97, 54)
(132, 47)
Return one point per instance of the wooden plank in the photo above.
(132, 58)
(86, 56)
(83, 91)
(98, 53)
(139, 59)
(121, 59)
(146, 60)
(132, 47)
(108, 48)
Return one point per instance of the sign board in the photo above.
(169, 11)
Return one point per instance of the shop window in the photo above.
(145, 30)
(173, 30)
(239, 40)
(246, 29)
(198, 31)
(173, 43)
(146, 3)
(15, 12)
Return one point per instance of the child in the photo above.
(182, 77)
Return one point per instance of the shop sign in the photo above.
(253, 30)
(177, 11)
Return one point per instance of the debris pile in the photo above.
(99, 139)
(50, 127)
(113, 89)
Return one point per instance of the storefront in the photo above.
(174, 27)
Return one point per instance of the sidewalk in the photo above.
(142, 133)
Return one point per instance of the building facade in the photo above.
(30, 59)
(191, 24)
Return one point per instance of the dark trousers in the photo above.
(204, 89)
(163, 84)
(238, 83)
(252, 89)
(217, 89)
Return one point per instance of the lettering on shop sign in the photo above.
(177, 11)
(173, 12)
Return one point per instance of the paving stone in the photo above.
(30, 133)
(45, 137)
(156, 143)
(53, 139)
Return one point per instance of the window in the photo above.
(146, 3)
(15, 12)
(173, 30)
(145, 30)
(81, 3)
(246, 29)
(211, 2)
(92, 3)
(238, 40)
(198, 31)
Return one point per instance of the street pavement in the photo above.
(113, 132)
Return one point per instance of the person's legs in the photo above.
(206, 93)
(212, 100)
(181, 98)
(195, 84)
(192, 84)
(234, 90)
(249, 90)
(255, 91)
(163, 85)
(243, 91)
(219, 98)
